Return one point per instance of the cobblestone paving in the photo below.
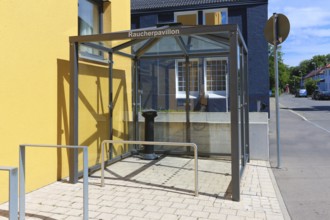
(162, 189)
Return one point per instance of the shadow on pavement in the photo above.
(5, 213)
(312, 108)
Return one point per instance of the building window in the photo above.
(215, 16)
(186, 17)
(215, 76)
(89, 16)
(89, 22)
(180, 70)
(210, 17)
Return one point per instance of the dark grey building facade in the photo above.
(160, 80)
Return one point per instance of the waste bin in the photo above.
(149, 152)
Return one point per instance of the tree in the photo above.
(283, 70)
(310, 86)
(317, 61)
(297, 73)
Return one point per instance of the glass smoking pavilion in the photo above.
(170, 43)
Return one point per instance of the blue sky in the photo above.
(309, 28)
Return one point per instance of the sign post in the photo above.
(276, 31)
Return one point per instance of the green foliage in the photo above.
(294, 75)
(283, 70)
(308, 66)
(297, 73)
(294, 83)
(310, 86)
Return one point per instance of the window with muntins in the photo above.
(215, 76)
(181, 78)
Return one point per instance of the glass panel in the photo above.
(157, 82)
(216, 16)
(165, 45)
(213, 18)
(88, 16)
(137, 46)
(187, 19)
(216, 75)
(202, 43)
(88, 23)
(160, 80)
(94, 117)
(224, 17)
(168, 45)
(193, 77)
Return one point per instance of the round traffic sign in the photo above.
(282, 28)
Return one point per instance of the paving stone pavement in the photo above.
(161, 189)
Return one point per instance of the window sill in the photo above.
(216, 96)
(183, 96)
(96, 60)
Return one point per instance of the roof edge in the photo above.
(196, 7)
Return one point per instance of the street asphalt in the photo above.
(304, 174)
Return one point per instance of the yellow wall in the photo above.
(34, 83)
(93, 106)
(93, 91)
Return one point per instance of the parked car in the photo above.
(318, 95)
(301, 93)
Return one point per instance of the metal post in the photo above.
(13, 193)
(102, 163)
(21, 182)
(187, 106)
(110, 103)
(247, 121)
(196, 168)
(135, 108)
(242, 105)
(85, 185)
(227, 86)
(73, 167)
(13, 181)
(276, 93)
(22, 176)
(235, 151)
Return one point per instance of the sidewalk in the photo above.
(163, 189)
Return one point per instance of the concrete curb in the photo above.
(284, 210)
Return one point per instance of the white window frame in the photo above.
(215, 10)
(182, 94)
(220, 93)
(176, 14)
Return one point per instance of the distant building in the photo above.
(322, 76)
(208, 74)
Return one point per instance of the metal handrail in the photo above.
(177, 144)
(22, 176)
(13, 208)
